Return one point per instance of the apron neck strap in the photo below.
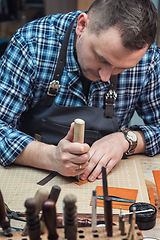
(55, 83)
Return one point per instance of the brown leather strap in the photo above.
(111, 96)
(47, 178)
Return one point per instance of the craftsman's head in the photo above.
(114, 35)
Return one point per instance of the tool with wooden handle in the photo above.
(4, 220)
(40, 196)
(79, 127)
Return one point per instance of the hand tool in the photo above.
(4, 220)
(32, 218)
(40, 196)
(79, 127)
(54, 194)
(105, 192)
(94, 211)
(145, 220)
(70, 217)
(117, 199)
(50, 218)
(108, 203)
(15, 215)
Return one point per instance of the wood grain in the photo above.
(83, 233)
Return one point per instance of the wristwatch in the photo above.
(131, 138)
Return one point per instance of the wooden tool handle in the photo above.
(54, 194)
(108, 203)
(40, 196)
(79, 126)
(32, 219)
(50, 218)
(4, 220)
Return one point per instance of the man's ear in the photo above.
(82, 23)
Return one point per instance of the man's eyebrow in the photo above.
(102, 59)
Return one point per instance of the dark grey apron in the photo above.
(51, 122)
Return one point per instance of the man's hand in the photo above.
(107, 151)
(68, 158)
(69, 155)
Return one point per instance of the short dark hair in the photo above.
(137, 20)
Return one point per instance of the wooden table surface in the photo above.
(148, 165)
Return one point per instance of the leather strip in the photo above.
(47, 178)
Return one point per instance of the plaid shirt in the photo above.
(27, 67)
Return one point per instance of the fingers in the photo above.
(94, 168)
(69, 155)
(96, 163)
(70, 133)
(72, 169)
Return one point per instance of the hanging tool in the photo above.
(14, 215)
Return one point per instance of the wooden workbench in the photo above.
(148, 165)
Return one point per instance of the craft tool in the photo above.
(105, 191)
(79, 128)
(70, 217)
(133, 224)
(123, 233)
(120, 218)
(15, 215)
(104, 179)
(144, 219)
(40, 196)
(50, 218)
(142, 211)
(94, 211)
(108, 203)
(33, 222)
(54, 194)
(117, 199)
(4, 219)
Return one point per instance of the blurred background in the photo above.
(15, 13)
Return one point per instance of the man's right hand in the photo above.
(67, 158)
(71, 158)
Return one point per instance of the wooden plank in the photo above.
(85, 233)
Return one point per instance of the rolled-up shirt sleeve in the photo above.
(148, 104)
(15, 94)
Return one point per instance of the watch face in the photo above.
(132, 136)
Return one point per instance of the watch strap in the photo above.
(132, 144)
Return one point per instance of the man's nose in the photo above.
(105, 73)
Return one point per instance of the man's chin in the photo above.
(91, 77)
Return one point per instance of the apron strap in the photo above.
(55, 84)
(110, 97)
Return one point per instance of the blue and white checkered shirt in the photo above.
(28, 65)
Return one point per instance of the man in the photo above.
(113, 38)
